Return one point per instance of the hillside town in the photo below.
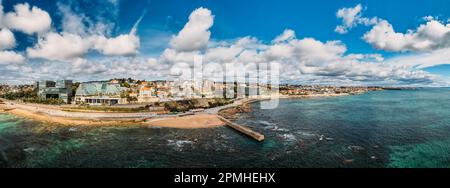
(130, 91)
(313, 90)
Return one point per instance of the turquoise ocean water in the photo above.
(395, 129)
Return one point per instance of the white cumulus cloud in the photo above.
(28, 19)
(427, 37)
(10, 57)
(351, 17)
(77, 40)
(287, 35)
(423, 60)
(122, 45)
(61, 47)
(7, 40)
(195, 34)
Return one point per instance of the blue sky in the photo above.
(233, 20)
(266, 19)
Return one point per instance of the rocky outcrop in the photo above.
(186, 105)
(233, 113)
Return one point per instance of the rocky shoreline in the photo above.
(232, 113)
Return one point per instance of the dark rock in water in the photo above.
(3, 155)
(4, 144)
(357, 148)
(29, 150)
(321, 137)
(3, 158)
(349, 161)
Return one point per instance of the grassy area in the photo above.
(171, 106)
(106, 109)
(37, 100)
(186, 105)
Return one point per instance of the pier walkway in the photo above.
(253, 134)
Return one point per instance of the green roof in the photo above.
(99, 89)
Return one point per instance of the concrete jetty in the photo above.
(255, 135)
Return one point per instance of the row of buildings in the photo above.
(5, 89)
(92, 93)
(129, 91)
(311, 90)
(125, 92)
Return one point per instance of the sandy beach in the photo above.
(41, 117)
(188, 122)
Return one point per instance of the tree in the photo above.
(235, 89)
(132, 99)
(125, 84)
(75, 87)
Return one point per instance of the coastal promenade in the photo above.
(56, 111)
(57, 114)
(216, 110)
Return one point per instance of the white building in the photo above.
(147, 95)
